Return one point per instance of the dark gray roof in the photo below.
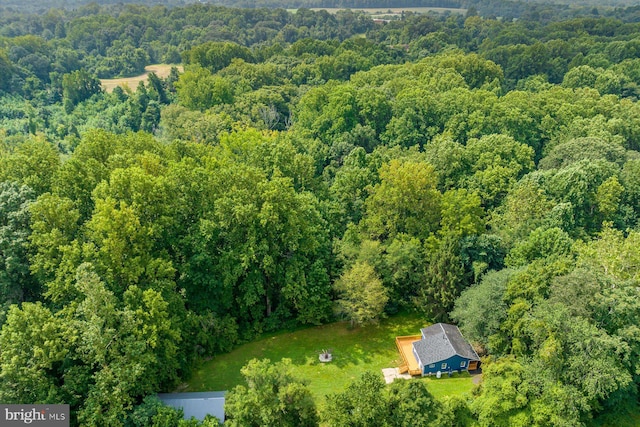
(196, 405)
(440, 342)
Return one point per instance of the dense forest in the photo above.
(303, 168)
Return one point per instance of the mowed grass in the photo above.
(161, 70)
(627, 417)
(355, 350)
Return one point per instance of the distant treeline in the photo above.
(554, 9)
(347, 4)
(35, 6)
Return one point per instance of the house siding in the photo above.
(453, 365)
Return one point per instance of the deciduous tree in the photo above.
(362, 297)
(272, 396)
(405, 201)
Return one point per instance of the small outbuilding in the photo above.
(444, 349)
(196, 405)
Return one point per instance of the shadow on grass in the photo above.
(350, 345)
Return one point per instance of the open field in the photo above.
(393, 10)
(162, 70)
(355, 350)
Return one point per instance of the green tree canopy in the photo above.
(272, 396)
(405, 201)
(362, 296)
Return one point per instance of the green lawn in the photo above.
(627, 417)
(355, 350)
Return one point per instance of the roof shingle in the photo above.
(440, 342)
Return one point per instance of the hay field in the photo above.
(162, 70)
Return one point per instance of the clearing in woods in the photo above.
(355, 350)
(162, 70)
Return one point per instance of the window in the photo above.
(463, 364)
(444, 366)
(433, 365)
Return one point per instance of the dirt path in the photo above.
(162, 70)
(476, 378)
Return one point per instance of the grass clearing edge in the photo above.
(161, 70)
(355, 350)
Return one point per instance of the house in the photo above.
(443, 348)
(196, 405)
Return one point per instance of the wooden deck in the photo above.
(405, 347)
